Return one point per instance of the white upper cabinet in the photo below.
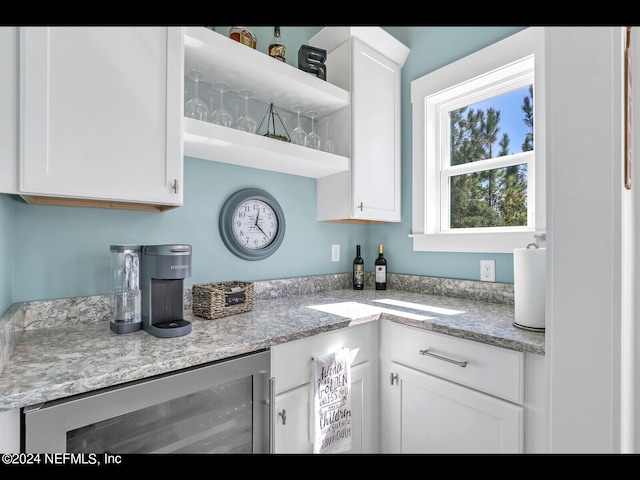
(9, 110)
(240, 67)
(101, 116)
(370, 127)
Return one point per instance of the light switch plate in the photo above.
(487, 270)
(335, 252)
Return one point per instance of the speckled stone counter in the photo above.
(79, 353)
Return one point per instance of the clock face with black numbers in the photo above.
(252, 224)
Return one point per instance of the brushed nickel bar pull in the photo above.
(628, 131)
(283, 414)
(176, 186)
(428, 353)
(393, 377)
(361, 207)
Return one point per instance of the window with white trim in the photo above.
(478, 149)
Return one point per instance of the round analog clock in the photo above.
(251, 224)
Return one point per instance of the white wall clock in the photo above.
(251, 224)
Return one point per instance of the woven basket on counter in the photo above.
(219, 299)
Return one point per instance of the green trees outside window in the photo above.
(493, 197)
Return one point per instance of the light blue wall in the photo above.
(64, 251)
(53, 252)
(7, 250)
(432, 48)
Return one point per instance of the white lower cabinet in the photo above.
(416, 391)
(291, 426)
(10, 431)
(442, 394)
(291, 368)
(431, 415)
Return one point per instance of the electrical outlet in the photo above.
(487, 270)
(335, 252)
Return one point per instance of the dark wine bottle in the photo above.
(358, 271)
(381, 270)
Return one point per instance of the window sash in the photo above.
(444, 190)
(517, 74)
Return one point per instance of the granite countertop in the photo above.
(52, 363)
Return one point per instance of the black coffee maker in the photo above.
(164, 268)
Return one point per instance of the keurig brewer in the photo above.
(164, 268)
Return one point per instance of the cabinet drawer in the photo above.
(291, 372)
(494, 370)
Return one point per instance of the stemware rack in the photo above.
(241, 67)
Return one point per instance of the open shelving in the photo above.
(241, 67)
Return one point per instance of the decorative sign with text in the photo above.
(331, 403)
(235, 298)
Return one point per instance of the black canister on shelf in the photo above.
(311, 60)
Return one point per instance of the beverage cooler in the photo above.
(221, 407)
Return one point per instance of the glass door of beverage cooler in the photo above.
(218, 408)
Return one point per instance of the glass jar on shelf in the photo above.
(276, 49)
(243, 35)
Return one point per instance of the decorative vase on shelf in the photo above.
(270, 116)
